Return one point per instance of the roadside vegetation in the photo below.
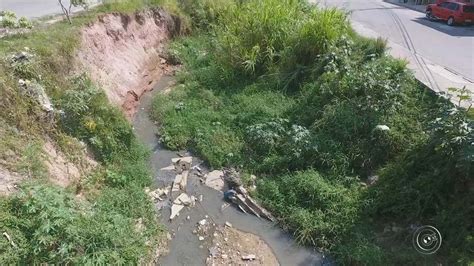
(351, 152)
(103, 218)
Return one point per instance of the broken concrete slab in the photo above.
(158, 193)
(249, 205)
(183, 199)
(215, 180)
(168, 168)
(178, 204)
(175, 209)
(182, 164)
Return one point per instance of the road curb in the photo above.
(419, 8)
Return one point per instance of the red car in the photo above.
(452, 12)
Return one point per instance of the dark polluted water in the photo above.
(185, 248)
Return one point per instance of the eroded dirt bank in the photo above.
(123, 53)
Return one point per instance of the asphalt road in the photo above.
(441, 56)
(33, 8)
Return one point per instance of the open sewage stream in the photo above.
(185, 247)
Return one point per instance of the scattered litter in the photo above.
(188, 217)
(201, 197)
(228, 224)
(10, 239)
(249, 257)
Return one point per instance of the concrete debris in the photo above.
(249, 257)
(215, 180)
(183, 199)
(37, 92)
(180, 181)
(248, 205)
(168, 168)
(175, 209)
(158, 193)
(178, 204)
(183, 163)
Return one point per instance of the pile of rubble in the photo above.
(177, 191)
(234, 247)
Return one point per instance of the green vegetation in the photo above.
(103, 218)
(292, 94)
(8, 19)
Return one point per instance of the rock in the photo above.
(202, 222)
(201, 238)
(214, 180)
(213, 251)
(36, 92)
(224, 256)
(228, 224)
(253, 177)
(249, 257)
(168, 236)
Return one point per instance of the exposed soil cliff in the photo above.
(123, 53)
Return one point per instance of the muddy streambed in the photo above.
(184, 247)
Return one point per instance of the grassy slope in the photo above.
(50, 224)
(251, 97)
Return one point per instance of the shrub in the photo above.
(50, 226)
(318, 211)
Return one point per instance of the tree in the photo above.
(67, 11)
